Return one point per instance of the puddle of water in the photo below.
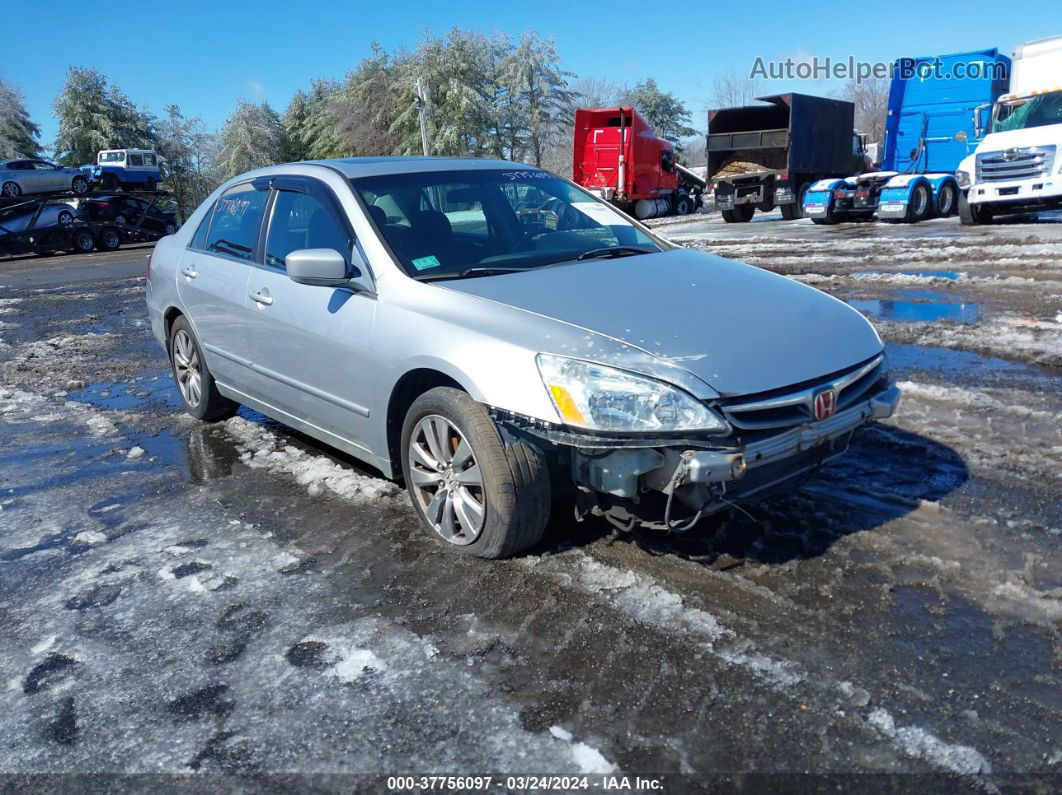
(909, 311)
(129, 395)
(963, 367)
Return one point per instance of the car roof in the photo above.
(352, 167)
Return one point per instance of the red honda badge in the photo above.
(825, 403)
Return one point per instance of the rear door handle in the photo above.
(262, 297)
(189, 271)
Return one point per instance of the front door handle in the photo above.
(189, 271)
(262, 297)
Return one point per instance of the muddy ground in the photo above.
(184, 598)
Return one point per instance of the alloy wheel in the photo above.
(447, 480)
(187, 369)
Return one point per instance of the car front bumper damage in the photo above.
(636, 481)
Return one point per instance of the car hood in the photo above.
(738, 328)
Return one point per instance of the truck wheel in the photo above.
(151, 186)
(795, 211)
(741, 214)
(972, 214)
(683, 205)
(83, 242)
(468, 488)
(947, 200)
(110, 239)
(919, 205)
(109, 182)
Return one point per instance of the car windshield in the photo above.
(448, 224)
(1020, 114)
(112, 157)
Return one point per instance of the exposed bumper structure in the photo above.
(626, 478)
(711, 466)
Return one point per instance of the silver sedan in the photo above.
(494, 336)
(25, 177)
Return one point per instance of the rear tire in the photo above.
(80, 186)
(741, 214)
(150, 186)
(920, 205)
(11, 190)
(947, 200)
(84, 242)
(972, 214)
(195, 384)
(110, 239)
(65, 218)
(459, 472)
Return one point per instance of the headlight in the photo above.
(963, 178)
(600, 398)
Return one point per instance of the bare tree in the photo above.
(871, 100)
(731, 90)
(595, 92)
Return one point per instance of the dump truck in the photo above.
(930, 127)
(617, 156)
(767, 155)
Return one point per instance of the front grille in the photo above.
(794, 405)
(1023, 163)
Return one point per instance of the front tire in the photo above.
(468, 488)
(972, 214)
(109, 183)
(195, 384)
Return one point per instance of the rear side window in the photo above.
(199, 242)
(235, 222)
(136, 160)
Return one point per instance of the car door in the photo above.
(25, 175)
(311, 345)
(212, 280)
(46, 176)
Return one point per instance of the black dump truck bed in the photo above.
(798, 132)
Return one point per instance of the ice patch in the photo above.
(135, 453)
(355, 663)
(918, 742)
(590, 760)
(44, 645)
(561, 734)
(90, 538)
(262, 449)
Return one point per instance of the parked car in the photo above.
(126, 211)
(24, 177)
(400, 309)
(41, 227)
(129, 169)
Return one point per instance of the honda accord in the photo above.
(495, 337)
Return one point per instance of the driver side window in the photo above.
(300, 221)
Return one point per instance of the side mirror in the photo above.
(979, 126)
(326, 267)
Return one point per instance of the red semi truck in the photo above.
(617, 156)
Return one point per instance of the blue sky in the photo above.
(206, 55)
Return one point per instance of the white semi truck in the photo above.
(1017, 167)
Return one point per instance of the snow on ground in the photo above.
(259, 447)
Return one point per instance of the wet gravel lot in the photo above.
(238, 599)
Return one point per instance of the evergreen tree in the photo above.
(86, 118)
(19, 136)
(541, 86)
(251, 138)
(668, 115)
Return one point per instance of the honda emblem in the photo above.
(824, 403)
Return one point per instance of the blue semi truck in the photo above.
(930, 127)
